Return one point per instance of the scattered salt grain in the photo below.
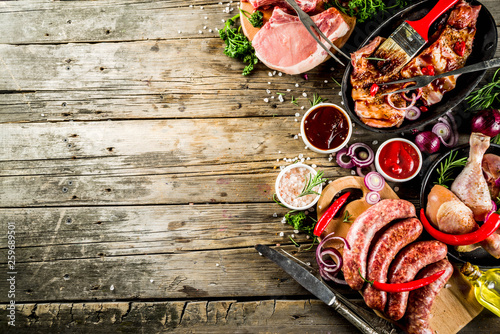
(342, 102)
(272, 97)
(151, 280)
(288, 90)
(353, 172)
(260, 253)
(270, 74)
(296, 85)
(206, 17)
(280, 74)
(280, 97)
(269, 82)
(274, 73)
(375, 142)
(282, 234)
(179, 31)
(301, 156)
(293, 235)
(200, 32)
(112, 287)
(277, 160)
(279, 152)
(313, 166)
(308, 237)
(283, 220)
(223, 20)
(326, 81)
(217, 264)
(210, 30)
(340, 93)
(302, 107)
(190, 6)
(396, 188)
(201, 7)
(296, 120)
(266, 100)
(205, 27)
(296, 231)
(297, 114)
(308, 158)
(275, 215)
(306, 148)
(295, 137)
(268, 91)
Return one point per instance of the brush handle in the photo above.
(422, 26)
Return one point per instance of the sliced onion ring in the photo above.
(419, 94)
(493, 209)
(389, 100)
(449, 120)
(358, 160)
(340, 156)
(328, 269)
(372, 197)
(412, 113)
(443, 130)
(374, 181)
(359, 170)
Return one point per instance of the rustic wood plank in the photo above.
(228, 316)
(214, 273)
(54, 234)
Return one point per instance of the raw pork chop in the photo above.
(305, 5)
(442, 55)
(284, 44)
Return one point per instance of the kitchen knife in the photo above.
(366, 323)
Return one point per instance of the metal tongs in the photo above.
(310, 25)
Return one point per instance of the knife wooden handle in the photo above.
(352, 317)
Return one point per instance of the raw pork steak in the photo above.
(305, 5)
(284, 44)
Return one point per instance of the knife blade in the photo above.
(367, 323)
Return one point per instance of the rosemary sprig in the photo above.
(294, 101)
(316, 100)
(486, 96)
(334, 80)
(445, 168)
(312, 182)
(375, 58)
(496, 140)
(347, 217)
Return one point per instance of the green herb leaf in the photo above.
(347, 217)
(486, 96)
(294, 101)
(316, 100)
(237, 45)
(375, 58)
(363, 10)
(445, 169)
(338, 83)
(255, 19)
(312, 182)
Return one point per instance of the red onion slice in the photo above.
(389, 100)
(443, 130)
(357, 158)
(360, 172)
(413, 113)
(340, 159)
(372, 197)
(374, 181)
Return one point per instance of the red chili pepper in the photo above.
(428, 70)
(329, 214)
(423, 108)
(407, 286)
(374, 89)
(490, 226)
(459, 48)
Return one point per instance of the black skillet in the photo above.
(485, 44)
(479, 256)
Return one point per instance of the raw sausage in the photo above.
(381, 255)
(362, 232)
(421, 300)
(406, 266)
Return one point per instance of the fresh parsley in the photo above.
(301, 222)
(255, 19)
(486, 96)
(316, 100)
(237, 45)
(364, 10)
(445, 170)
(312, 182)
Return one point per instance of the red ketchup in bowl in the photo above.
(398, 160)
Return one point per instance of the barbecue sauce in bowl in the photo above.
(326, 128)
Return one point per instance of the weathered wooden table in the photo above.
(138, 168)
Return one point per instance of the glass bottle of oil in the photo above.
(486, 286)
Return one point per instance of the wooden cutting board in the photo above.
(250, 31)
(454, 307)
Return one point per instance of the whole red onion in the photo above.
(487, 122)
(428, 142)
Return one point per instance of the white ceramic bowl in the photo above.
(389, 178)
(314, 148)
(278, 181)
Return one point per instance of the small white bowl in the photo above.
(278, 181)
(381, 171)
(314, 148)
